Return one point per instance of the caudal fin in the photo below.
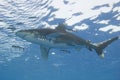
(100, 46)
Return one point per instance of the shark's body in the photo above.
(60, 38)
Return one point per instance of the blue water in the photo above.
(27, 64)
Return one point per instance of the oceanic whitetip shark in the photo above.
(61, 39)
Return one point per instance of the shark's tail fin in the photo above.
(100, 46)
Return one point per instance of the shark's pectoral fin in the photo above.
(44, 52)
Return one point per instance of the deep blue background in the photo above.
(78, 65)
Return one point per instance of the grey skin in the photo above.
(61, 39)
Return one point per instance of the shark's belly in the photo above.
(51, 44)
(55, 45)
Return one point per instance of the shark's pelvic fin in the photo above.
(100, 46)
(44, 52)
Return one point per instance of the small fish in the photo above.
(18, 47)
(32, 17)
(19, 23)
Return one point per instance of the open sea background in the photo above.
(94, 20)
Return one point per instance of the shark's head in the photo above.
(32, 35)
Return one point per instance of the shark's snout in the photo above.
(21, 33)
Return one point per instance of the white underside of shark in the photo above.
(61, 39)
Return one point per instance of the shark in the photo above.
(60, 38)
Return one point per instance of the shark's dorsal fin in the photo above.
(61, 27)
(44, 52)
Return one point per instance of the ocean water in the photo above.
(92, 20)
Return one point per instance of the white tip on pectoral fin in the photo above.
(102, 55)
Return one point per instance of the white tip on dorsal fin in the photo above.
(61, 27)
